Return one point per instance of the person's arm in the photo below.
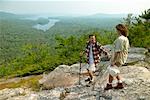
(103, 50)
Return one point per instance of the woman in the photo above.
(121, 45)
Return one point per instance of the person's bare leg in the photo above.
(110, 79)
(91, 75)
(119, 85)
(118, 77)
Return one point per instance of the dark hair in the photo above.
(123, 30)
(91, 35)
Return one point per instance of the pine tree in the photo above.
(146, 15)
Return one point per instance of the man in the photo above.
(93, 51)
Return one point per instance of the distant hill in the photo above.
(101, 15)
(4, 15)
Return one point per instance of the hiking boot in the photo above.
(125, 64)
(109, 86)
(119, 86)
(91, 81)
(88, 79)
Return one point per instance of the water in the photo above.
(45, 27)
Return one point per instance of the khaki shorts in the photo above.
(91, 67)
(118, 64)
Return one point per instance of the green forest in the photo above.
(25, 50)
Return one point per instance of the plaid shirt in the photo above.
(97, 50)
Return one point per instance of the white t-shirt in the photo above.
(91, 59)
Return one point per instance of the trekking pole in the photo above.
(80, 70)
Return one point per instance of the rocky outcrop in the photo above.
(16, 94)
(62, 76)
(136, 54)
(135, 78)
(63, 83)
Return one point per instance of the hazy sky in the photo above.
(74, 7)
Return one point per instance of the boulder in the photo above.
(53, 80)
(60, 77)
(138, 50)
(134, 57)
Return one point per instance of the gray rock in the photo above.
(75, 68)
(109, 47)
(13, 94)
(60, 77)
(63, 83)
(134, 57)
(138, 50)
(62, 68)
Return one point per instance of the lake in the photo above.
(46, 26)
(42, 27)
